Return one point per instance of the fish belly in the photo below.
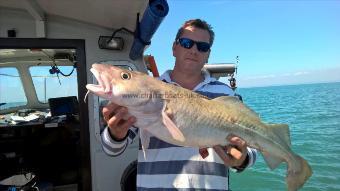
(205, 136)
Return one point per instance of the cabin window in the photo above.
(11, 89)
(52, 85)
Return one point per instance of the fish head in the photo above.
(123, 87)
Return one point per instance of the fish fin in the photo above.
(145, 140)
(175, 132)
(282, 132)
(227, 99)
(233, 100)
(298, 173)
(271, 160)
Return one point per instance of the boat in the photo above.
(49, 136)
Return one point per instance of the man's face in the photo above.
(191, 60)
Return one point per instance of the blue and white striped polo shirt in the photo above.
(171, 167)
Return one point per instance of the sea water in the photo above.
(312, 112)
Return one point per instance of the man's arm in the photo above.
(114, 147)
(118, 134)
(249, 161)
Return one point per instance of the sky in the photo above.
(278, 41)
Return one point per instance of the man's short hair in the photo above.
(198, 23)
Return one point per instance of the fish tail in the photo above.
(298, 173)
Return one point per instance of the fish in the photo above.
(182, 117)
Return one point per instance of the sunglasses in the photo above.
(188, 43)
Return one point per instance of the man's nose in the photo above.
(194, 49)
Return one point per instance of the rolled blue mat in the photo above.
(152, 18)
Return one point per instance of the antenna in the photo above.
(232, 80)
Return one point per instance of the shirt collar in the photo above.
(165, 77)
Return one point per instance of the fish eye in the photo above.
(125, 75)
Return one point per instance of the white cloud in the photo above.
(294, 77)
(286, 74)
(300, 73)
(260, 77)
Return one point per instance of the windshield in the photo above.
(52, 85)
(11, 89)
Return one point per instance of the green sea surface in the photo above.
(312, 112)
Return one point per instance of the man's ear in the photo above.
(173, 49)
(207, 60)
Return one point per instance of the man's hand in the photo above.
(113, 114)
(233, 155)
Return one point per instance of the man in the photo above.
(171, 167)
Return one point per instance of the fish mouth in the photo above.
(103, 81)
(103, 88)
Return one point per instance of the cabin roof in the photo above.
(110, 14)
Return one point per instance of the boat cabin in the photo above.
(50, 136)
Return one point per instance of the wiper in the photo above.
(1, 104)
